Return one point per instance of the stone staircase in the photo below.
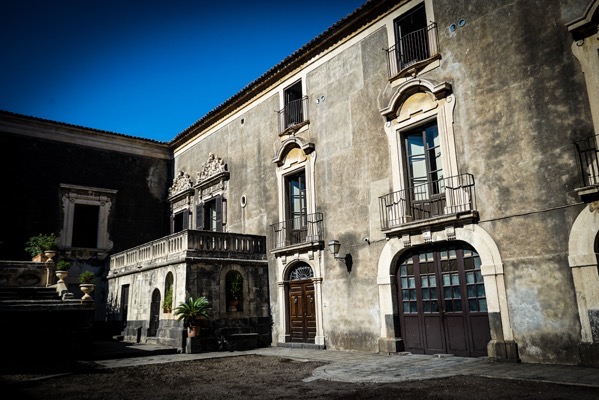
(28, 293)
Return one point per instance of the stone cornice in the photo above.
(58, 132)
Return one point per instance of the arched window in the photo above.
(300, 271)
(234, 282)
(167, 305)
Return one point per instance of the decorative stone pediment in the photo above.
(213, 171)
(181, 183)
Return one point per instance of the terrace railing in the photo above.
(304, 229)
(295, 112)
(587, 158)
(412, 49)
(445, 196)
(191, 243)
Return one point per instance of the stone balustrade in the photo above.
(189, 243)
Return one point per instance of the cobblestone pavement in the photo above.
(356, 367)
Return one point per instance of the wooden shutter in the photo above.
(200, 217)
(219, 213)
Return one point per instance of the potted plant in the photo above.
(38, 245)
(190, 312)
(62, 270)
(235, 284)
(86, 278)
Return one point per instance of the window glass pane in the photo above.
(403, 270)
(414, 145)
(445, 266)
(457, 306)
(447, 292)
(456, 293)
(427, 306)
(479, 276)
(455, 279)
(406, 307)
(480, 290)
(424, 281)
(471, 291)
(434, 294)
(469, 277)
(482, 304)
(425, 294)
(448, 306)
(473, 305)
(405, 294)
(452, 253)
(434, 306)
(477, 262)
(432, 281)
(412, 282)
(404, 282)
(446, 280)
(412, 294)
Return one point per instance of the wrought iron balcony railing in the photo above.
(304, 229)
(445, 196)
(413, 48)
(587, 158)
(295, 112)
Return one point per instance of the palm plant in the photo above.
(191, 311)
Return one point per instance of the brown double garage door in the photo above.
(442, 301)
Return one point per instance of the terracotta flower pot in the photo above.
(193, 331)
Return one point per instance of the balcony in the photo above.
(298, 232)
(293, 116)
(589, 168)
(413, 51)
(435, 203)
(189, 243)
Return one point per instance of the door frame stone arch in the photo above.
(502, 345)
(282, 286)
(582, 259)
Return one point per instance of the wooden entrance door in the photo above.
(302, 311)
(443, 306)
(154, 313)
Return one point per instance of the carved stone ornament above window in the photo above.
(213, 170)
(181, 183)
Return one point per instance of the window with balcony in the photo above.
(295, 108)
(296, 207)
(426, 181)
(415, 42)
(424, 171)
(209, 214)
(212, 192)
(299, 224)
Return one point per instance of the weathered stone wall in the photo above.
(521, 102)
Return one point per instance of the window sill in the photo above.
(293, 129)
(417, 68)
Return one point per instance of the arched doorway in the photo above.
(301, 307)
(442, 300)
(154, 313)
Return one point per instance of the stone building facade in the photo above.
(444, 150)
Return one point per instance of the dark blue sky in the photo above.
(146, 68)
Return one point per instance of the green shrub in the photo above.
(40, 243)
